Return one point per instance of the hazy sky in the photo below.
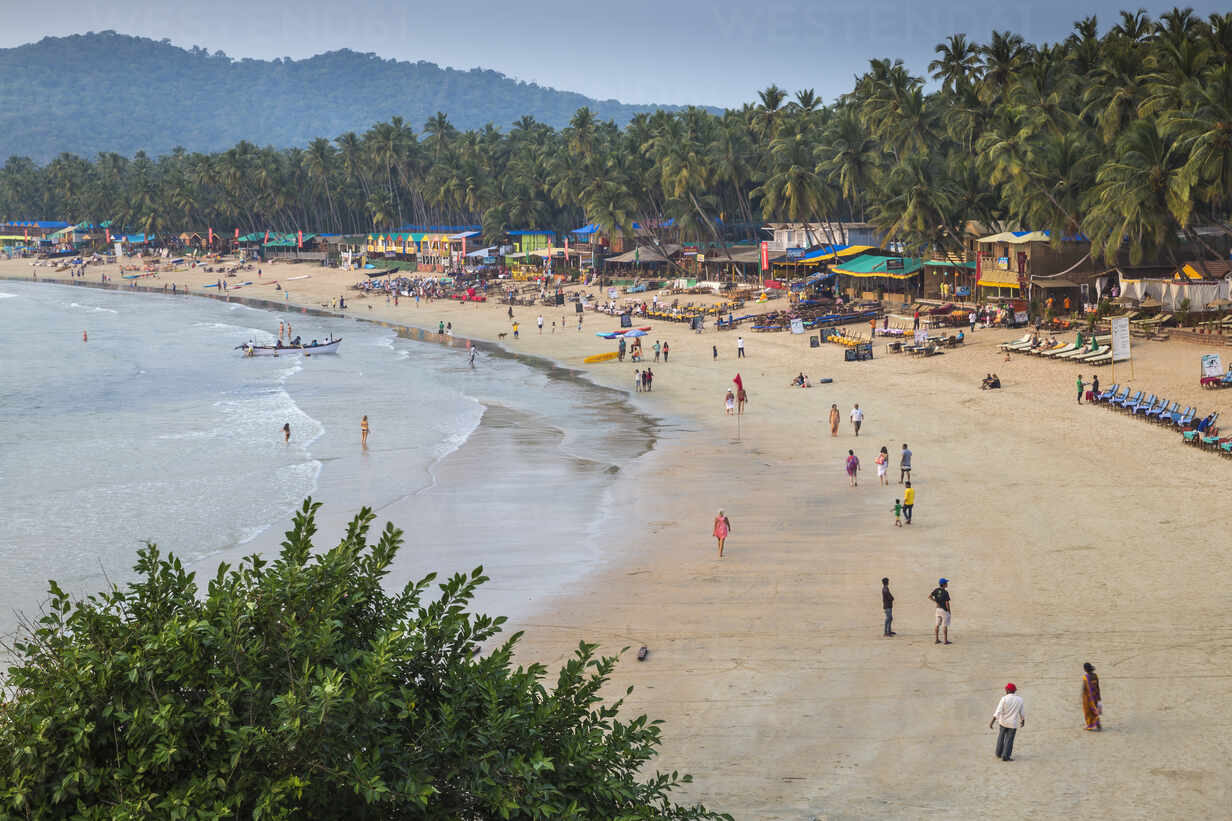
(716, 52)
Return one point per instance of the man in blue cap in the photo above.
(941, 597)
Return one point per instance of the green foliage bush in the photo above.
(300, 688)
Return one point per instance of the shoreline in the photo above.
(1071, 534)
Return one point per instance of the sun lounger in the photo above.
(1099, 361)
(1189, 437)
(1143, 406)
(1057, 351)
(1186, 418)
(1133, 400)
(1164, 410)
(1108, 394)
(1118, 397)
(1095, 354)
(1025, 339)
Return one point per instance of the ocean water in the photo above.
(157, 429)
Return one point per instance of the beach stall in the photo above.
(871, 276)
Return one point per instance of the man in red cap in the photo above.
(1011, 715)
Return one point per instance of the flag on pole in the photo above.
(739, 382)
(267, 236)
(299, 239)
(237, 233)
(211, 233)
(108, 230)
(765, 256)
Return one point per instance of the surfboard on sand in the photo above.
(601, 357)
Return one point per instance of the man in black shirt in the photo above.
(941, 597)
(887, 603)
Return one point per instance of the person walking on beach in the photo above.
(917, 319)
(363, 431)
(540, 321)
(887, 604)
(941, 597)
(904, 465)
(722, 527)
(637, 381)
(579, 323)
(656, 350)
(621, 350)
(853, 467)
(908, 502)
(857, 418)
(971, 321)
(648, 380)
(1011, 715)
(286, 433)
(834, 419)
(1092, 701)
(515, 332)
(1081, 385)
(898, 512)
(715, 350)
(740, 347)
(742, 396)
(511, 312)
(882, 461)
(666, 351)
(729, 402)
(472, 356)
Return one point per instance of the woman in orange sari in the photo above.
(1092, 703)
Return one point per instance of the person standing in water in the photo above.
(286, 433)
(363, 431)
(722, 527)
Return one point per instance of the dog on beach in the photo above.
(501, 336)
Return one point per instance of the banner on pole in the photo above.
(1120, 338)
(765, 256)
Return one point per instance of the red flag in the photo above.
(267, 236)
(299, 239)
(211, 234)
(739, 382)
(108, 230)
(765, 256)
(237, 233)
(27, 233)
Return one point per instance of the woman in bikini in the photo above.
(363, 432)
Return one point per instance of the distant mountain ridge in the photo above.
(112, 92)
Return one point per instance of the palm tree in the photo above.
(1135, 196)
(1001, 59)
(958, 65)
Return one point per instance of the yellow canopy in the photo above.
(998, 282)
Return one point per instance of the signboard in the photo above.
(701, 257)
(1120, 338)
(1020, 317)
(894, 264)
(765, 255)
(795, 253)
(1212, 365)
(626, 320)
(797, 326)
(921, 337)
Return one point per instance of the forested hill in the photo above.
(111, 92)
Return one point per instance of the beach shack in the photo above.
(1006, 261)
(872, 276)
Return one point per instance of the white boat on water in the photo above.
(328, 346)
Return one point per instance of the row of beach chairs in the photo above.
(1152, 408)
(1203, 433)
(1093, 351)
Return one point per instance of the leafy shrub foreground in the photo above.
(300, 688)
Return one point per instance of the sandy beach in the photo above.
(1069, 534)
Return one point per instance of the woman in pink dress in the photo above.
(853, 466)
(722, 526)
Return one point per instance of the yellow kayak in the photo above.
(600, 357)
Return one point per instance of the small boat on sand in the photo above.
(328, 346)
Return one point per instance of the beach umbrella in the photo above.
(1150, 302)
(1218, 303)
(635, 332)
(1126, 300)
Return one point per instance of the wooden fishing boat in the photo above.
(328, 346)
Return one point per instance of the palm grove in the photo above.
(1125, 137)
